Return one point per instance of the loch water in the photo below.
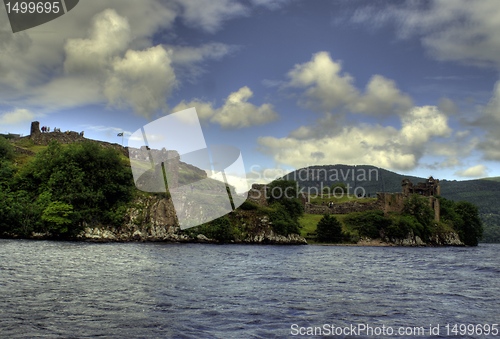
(155, 290)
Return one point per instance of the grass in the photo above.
(308, 223)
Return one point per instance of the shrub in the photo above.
(282, 222)
(6, 149)
(470, 229)
(249, 206)
(367, 224)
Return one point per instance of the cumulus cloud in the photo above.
(236, 112)
(478, 171)
(17, 116)
(381, 97)
(108, 37)
(32, 58)
(141, 80)
(383, 146)
(458, 30)
(89, 53)
(327, 88)
(422, 123)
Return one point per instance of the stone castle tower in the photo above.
(35, 128)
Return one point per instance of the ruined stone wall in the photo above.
(344, 208)
(70, 137)
(258, 194)
(391, 202)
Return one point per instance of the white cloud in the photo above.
(381, 97)
(478, 171)
(209, 15)
(109, 36)
(422, 123)
(18, 116)
(458, 30)
(327, 89)
(373, 144)
(141, 80)
(236, 112)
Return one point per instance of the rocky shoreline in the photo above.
(153, 219)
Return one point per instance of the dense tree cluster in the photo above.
(464, 218)
(62, 188)
(283, 198)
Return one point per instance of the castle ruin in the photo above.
(387, 202)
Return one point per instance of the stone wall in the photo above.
(69, 137)
(258, 194)
(343, 208)
(391, 202)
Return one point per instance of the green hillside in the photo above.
(483, 193)
(492, 178)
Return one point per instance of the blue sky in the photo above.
(409, 86)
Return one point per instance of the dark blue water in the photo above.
(139, 290)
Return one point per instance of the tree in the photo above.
(418, 207)
(90, 178)
(368, 224)
(285, 193)
(329, 229)
(283, 197)
(464, 218)
(6, 149)
(470, 229)
(57, 215)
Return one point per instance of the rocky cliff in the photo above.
(444, 239)
(153, 219)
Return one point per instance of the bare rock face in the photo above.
(445, 239)
(35, 128)
(154, 219)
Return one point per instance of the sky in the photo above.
(410, 86)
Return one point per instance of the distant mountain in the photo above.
(484, 193)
